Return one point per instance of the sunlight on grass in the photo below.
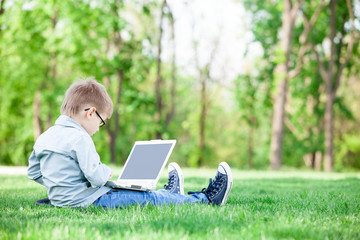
(241, 174)
(268, 205)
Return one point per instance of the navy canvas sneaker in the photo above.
(176, 179)
(218, 190)
(44, 201)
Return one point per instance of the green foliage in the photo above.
(304, 131)
(349, 152)
(265, 22)
(251, 97)
(304, 116)
(104, 38)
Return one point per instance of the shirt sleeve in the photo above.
(89, 161)
(34, 172)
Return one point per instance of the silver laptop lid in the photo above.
(147, 159)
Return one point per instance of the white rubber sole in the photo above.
(181, 176)
(229, 181)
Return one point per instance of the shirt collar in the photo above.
(67, 121)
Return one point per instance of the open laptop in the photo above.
(144, 165)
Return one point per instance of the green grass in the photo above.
(262, 205)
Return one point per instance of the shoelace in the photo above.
(171, 182)
(213, 188)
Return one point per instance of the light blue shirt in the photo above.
(65, 161)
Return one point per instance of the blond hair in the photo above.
(86, 93)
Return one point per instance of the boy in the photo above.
(65, 161)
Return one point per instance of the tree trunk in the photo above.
(313, 160)
(171, 112)
(36, 104)
(202, 121)
(112, 133)
(250, 144)
(332, 77)
(282, 71)
(329, 132)
(49, 117)
(204, 77)
(318, 160)
(53, 67)
(36, 115)
(158, 82)
(329, 118)
(278, 127)
(2, 10)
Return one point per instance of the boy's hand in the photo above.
(111, 175)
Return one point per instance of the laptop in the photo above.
(144, 165)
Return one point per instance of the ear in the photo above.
(90, 112)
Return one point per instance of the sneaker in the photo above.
(218, 190)
(176, 179)
(44, 201)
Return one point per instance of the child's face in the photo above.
(92, 121)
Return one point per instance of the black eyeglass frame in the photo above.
(102, 121)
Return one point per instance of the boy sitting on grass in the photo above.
(65, 161)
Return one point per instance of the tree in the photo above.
(115, 40)
(159, 82)
(286, 67)
(204, 78)
(48, 81)
(171, 111)
(336, 62)
(282, 74)
(246, 88)
(163, 116)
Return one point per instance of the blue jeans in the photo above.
(122, 198)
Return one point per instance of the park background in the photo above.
(259, 84)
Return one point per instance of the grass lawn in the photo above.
(262, 205)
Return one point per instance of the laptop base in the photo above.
(113, 184)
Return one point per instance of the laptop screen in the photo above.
(146, 161)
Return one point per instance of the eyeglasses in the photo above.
(102, 121)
